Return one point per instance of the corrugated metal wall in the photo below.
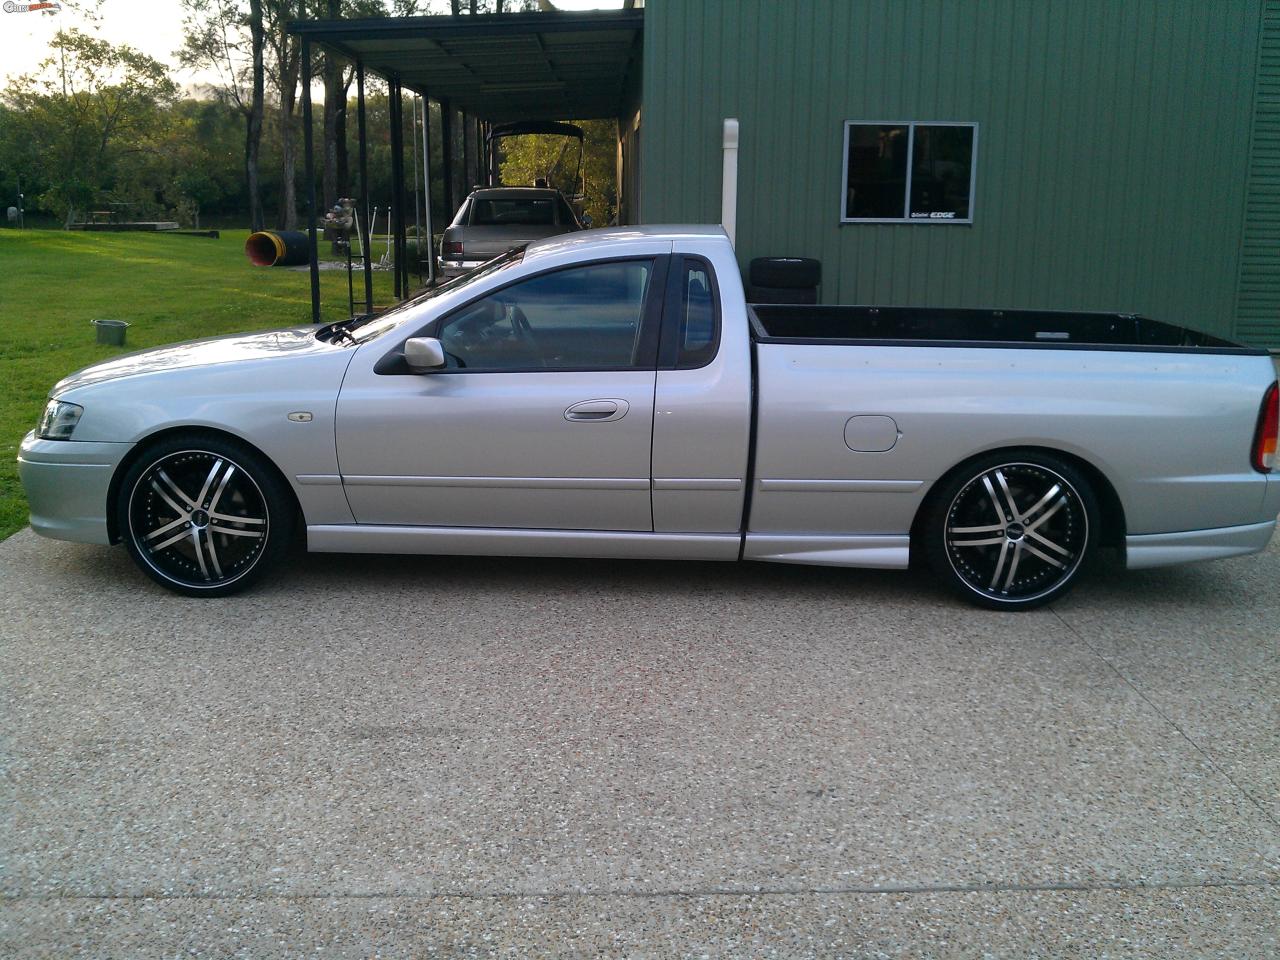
(1258, 296)
(1112, 159)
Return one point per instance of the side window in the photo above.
(698, 332)
(585, 318)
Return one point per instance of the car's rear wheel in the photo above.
(1013, 530)
(204, 515)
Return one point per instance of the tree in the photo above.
(286, 67)
(528, 158)
(89, 107)
(338, 76)
(228, 37)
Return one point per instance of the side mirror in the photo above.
(586, 220)
(423, 354)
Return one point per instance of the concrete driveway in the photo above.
(399, 757)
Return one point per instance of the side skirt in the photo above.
(885, 552)
(487, 541)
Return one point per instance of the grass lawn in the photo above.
(52, 283)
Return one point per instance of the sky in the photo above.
(153, 26)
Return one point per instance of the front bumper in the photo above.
(66, 483)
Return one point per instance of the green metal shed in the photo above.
(1125, 154)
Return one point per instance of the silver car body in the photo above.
(492, 463)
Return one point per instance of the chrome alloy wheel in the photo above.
(1016, 532)
(198, 519)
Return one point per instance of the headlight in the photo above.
(58, 420)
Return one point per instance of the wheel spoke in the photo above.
(169, 500)
(213, 553)
(229, 518)
(217, 527)
(1047, 514)
(226, 477)
(177, 490)
(1035, 535)
(1045, 557)
(168, 526)
(988, 528)
(1042, 502)
(1013, 505)
(195, 544)
(985, 542)
(208, 481)
(1013, 566)
(995, 501)
(995, 577)
(180, 535)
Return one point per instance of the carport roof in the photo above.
(507, 66)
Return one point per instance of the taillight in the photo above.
(453, 248)
(1264, 441)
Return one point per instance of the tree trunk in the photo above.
(288, 193)
(334, 103)
(290, 62)
(342, 165)
(454, 7)
(253, 131)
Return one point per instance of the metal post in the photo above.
(417, 221)
(366, 243)
(308, 145)
(426, 189)
(397, 184)
(446, 159)
(468, 147)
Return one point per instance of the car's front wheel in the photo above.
(204, 515)
(1012, 530)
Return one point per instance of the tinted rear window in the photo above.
(520, 213)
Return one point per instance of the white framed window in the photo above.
(909, 171)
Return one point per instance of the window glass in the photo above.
(464, 212)
(369, 327)
(877, 171)
(520, 213)
(697, 316)
(941, 163)
(567, 216)
(920, 172)
(581, 318)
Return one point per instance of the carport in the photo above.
(481, 70)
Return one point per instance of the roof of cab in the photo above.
(515, 193)
(673, 232)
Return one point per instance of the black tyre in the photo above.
(781, 294)
(785, 272)
(204, 516)
(1012, 530)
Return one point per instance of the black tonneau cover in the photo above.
(943, 326)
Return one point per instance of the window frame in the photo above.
(393, 362)
(670, 348)
(911, 149)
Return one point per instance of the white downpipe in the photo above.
(729, 181)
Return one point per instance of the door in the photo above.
(542, 419)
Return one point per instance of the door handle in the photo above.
(598, 411)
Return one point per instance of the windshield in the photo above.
(360, 329)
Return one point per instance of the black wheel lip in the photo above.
(994, 598)
(145, 554)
